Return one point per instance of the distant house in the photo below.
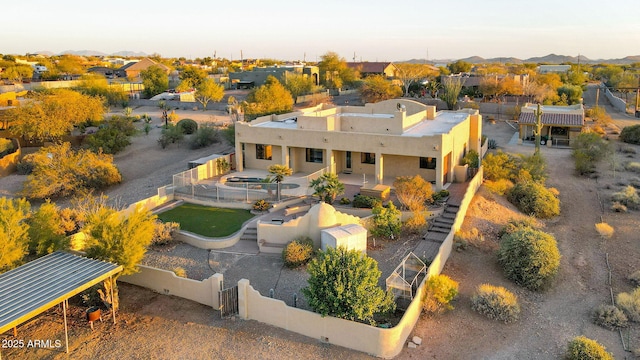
(560, 124)
(133, 69)
(107, 72)
(558, 69)
(366, 68)
(258, 76)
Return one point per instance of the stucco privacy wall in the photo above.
(384, 343)
(168, 283)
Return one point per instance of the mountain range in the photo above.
(95, 53)
(548, 59)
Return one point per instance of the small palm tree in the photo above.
(279, 172)
(327, 187)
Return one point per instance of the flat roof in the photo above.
(442, 124)
(38, 285)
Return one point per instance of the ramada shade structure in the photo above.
(37, 286)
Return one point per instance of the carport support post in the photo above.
(66, 332)
(113, 308)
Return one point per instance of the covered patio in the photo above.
(51, 280)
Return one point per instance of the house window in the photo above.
(314, 155)
(368, 158)
(263, 152)
(428, 163)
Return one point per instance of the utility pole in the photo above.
(538, 114)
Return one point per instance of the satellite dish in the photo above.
(400, 107)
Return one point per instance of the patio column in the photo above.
(379, 167)
(331, 160)
(285, 155)
(239, 156)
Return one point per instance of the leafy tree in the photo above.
(386, 221)
(573, 93)
(192, 77)
(207, 91)
(413, 192)
(73, 172)
(344, 283)
(70, 65)
(97, 85)
(334, 72)
(155, 81)
(52, 115)
(588, 149)
(113, 137)
(327, 187)
(452, 87)
(433, 87)
(459, 66)
(16, 72)
(234, 108)
(297, 84)
(120, 239)
(411, 73)
(46, 231)
(278, 172)
(529, 257)
(270, 98)
(376, 88)
(14, 232)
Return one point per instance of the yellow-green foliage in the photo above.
(605, 230)
(440, 291)
(61, 171)
(610, 317)
(46, 230)
(630, 304)
(500, 186)
(628, 197)
(582, 348)
(179, 271)
(498, 166)
(6, 146)
(496, 303)
(14, 236)
(298, 252)
(633, 166)
(533, 198)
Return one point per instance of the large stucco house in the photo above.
(387, 139)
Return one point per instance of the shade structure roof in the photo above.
(560, 119)
(36, 286)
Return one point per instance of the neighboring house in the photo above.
(387, 139)
(366, 68)
(107, 72)
(258, 76)
(133, 69)
(560, 69)
(560, 124)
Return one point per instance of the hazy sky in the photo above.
(373, 29)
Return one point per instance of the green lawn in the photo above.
(206, 220)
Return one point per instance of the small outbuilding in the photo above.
(350, 236)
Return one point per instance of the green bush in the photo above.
(498, 166)
(529, 257)
(610, 317)
(630, 304)
(188, 126)
(534, 199)
(496, 303)
(204, 137)
(440, 195)
(631, 134)
(514, 225)
(472, 158)
(368, 202)
(628, 197)
(170, 135)
(113, 136)
(440, 291)
(386, 221)
(582, 348)
(345, 201)
(298, 252)
(588, 149)
(261, 205)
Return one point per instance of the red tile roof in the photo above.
(552, 119)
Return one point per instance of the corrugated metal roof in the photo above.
(32, 288)
(552, 119)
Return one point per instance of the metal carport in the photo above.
(39, 285)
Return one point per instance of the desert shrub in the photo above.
(529, 257)
(229, 133)
(631, 134)
(498, 166)
(417, 223)
(188, 126)
(610, 317)
(582, 348)
(204, 137)
(617, 207)
(113, 136)
(46, 232)
(440, 195)
(170, 135)
(628, 197)
(605, 230)
(633, 166)
(261, 205)
(180, 272)
(6, 147)
(164, 232)
(473, 236)
(413, 192)
(368, 202)
(386, 221)
(345, 201)
(588, 149)
(440, 291)
(533, 198)
(628, 150)
(514, 225)
(472, 158)
(635, 278)
(496, 303)
(630, 304)
(534, 166)
(500, 186)
(298, 252)
(25, 167)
